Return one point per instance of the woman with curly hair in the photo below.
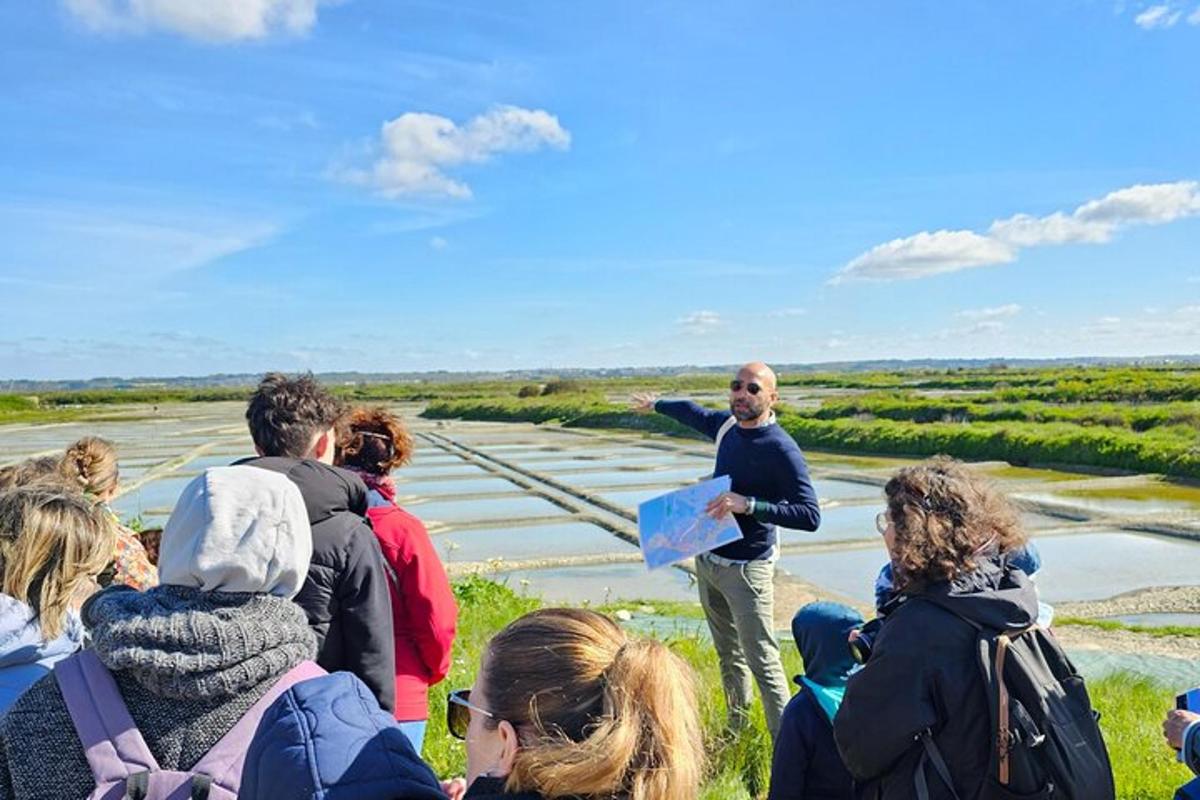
(951, 537)
(372, 443)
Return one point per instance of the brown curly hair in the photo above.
(945, 515)
(374, 440)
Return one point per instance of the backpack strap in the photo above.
(223, 763)
(112, 744)
(932, 755)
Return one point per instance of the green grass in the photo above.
(1132, 708)
(1171, 450)
(1117, 625)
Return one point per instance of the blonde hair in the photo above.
(91, 463)
(946, 517)
(597, 713)
(57, 543)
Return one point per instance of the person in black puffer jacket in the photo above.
(951, 537)
(346, 596)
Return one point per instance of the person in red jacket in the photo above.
(374, 442)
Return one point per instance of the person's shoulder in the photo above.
(332, 730)
(41, 702)
(489, 788)
(802, 710)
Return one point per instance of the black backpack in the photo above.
(1046, 741)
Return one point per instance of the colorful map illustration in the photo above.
(674, 527)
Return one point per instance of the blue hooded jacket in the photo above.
(806, 764)
(328, 739)
(25, 655)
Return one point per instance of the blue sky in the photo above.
(240, 185)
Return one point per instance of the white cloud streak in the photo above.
(1094, 222)
(416, 149)
(1157, 17)
(701, 322)
(216, 21)
(997, 312)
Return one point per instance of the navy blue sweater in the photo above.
(806, 764)
(763, 463)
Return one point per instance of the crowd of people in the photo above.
(278, 638)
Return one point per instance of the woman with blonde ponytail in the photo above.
(91, 465)
(566, 705)
(56, 543)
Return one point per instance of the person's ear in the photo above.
(323, 447)
(509, 745)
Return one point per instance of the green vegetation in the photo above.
(1172, 450)
(1132, 709)
(1117, 625)
(1157, 490)
(1131, 714)
(1141, 419)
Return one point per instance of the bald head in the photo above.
(752, 394)
(758, 370)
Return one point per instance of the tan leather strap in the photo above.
(1003, 745)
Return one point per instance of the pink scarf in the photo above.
(380, 483)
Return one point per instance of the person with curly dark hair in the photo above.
(951, 537)
(294, 422)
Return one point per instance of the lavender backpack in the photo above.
(120, 760)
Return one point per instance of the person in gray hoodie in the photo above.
(192, 655)
(55, 543)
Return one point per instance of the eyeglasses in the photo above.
(882, 522)
(752, 388)
(458, 712)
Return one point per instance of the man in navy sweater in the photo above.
(769, 486)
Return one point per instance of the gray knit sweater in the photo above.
(188, 664)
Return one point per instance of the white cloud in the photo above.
(1094, 222)
(1160, 16)
(926, 254)
(986, 326)
(417, 147)
(997, 312)
(438, 243)
(206, 20)
(1150, 204)
(1194, 17)
(701, 322)
(784, 313)
(1023, 230)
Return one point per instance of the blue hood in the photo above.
(24, 655)
(21, 640)
(327, 739)
(821, 631)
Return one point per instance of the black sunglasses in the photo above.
(458, 712)
(736, 386)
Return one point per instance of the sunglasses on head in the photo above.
(458, 712)
(736, 386)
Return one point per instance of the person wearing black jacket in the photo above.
(950, 536)
(345, 595)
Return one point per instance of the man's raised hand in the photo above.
(643, 402)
